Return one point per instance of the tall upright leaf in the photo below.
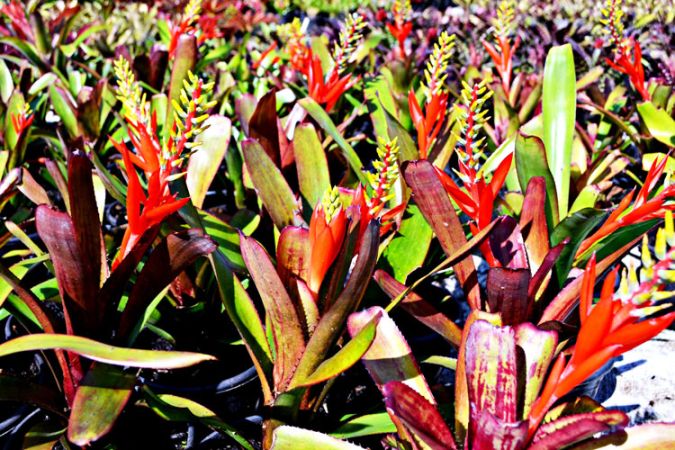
(559, 109)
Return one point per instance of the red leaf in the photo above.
(507, 294)
(574, 428)
(293, 252)
(263, 126)
(506, 243)
(533, 222)
(491, 433)
(418, 415)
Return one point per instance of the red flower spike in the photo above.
(401, 27)
(327, 230)
(195, 23)
(631, 66)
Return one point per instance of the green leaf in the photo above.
(409, 248)
(204, 162)
(576, 227)
(531, 162)
(179, 409)
(559, 111)
(658, 122)
(227, 238)
(70, 48)
(586, 198)
(323, 119)
(408, 148)
(366, 425)
(97, 351)
(343, 359)
(6, 82)
(443, 361)
(276, 195)
(380, 100)
(64, 109)
(292, 438)
(99, 400)
(311, 163)
(650, 159)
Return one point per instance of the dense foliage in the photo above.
(244, 224)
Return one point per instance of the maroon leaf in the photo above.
(491, 370)
(263, 126)
(541, 277)
(491, 433)
(568, 430)
(169, 258)
(506, 243)
(418, 415)
(507, 294)
(420, 309)
(84, 215)
(282, 315)
(433, 201)
(533, 222)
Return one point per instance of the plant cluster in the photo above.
(217, 213)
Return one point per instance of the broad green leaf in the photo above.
(227, 238)
(658, 122)
(97, 351)
(311, 163)
(366, 425)
(99, 400)
(531, 162)
(346, 357)
(292, 438)
(650, 159)
(276, 195)
(559, 111)
(389, 357)
(6, 82)
(618, 239)
(323, 119)
(204, 162)
(180, 409)
(586, 198)
(64, 109)
(408, 148)
(380, 100)
(70, 48)
(408, 249)
(576, 227)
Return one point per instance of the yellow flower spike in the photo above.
(645, 254)
(669, 228)
(331, 203)
(660, 246)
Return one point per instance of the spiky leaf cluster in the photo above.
(386, 171)
(506, 15)
(191, 12)
(349, 40)
(471, 117)
(437, 65)
(612, 19)
(129, 93)
(656, 272)
(331, 203)
(191, 112)
(401, 10)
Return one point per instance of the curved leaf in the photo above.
(97, 351)
(204, 163)
(293, 438)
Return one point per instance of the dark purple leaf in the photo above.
(263, 126)
(507, 294)
(506, 243)
(568, 430)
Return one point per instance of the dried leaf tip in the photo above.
(437, 66)
(349, 40)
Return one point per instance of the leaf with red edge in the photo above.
(389, 357)
(418, 415)
(263, 126)
(569, 430)
(650, 436)
(99, 400)
(436, 207)
(507, 294)
(168, 259)
(488, 432)
(420, 309)
(531, 162)
(281, 312)
(533, 222)
(491, 370)
(541, 278)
